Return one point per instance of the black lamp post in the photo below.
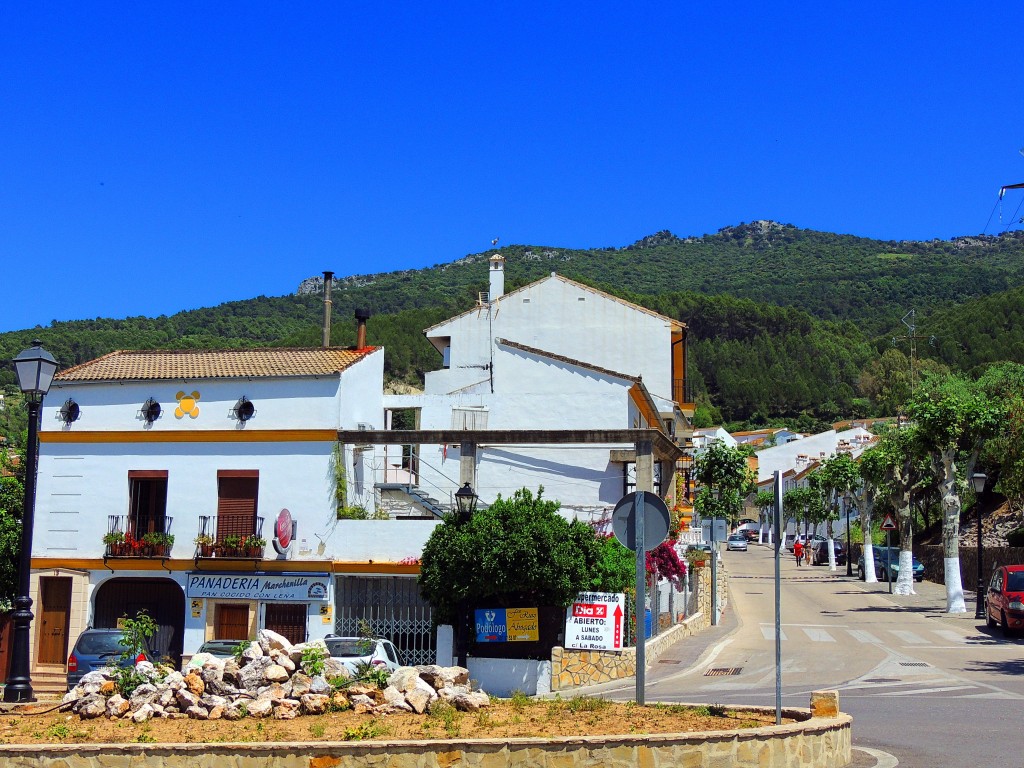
(465, 504)
(35, 368)
(978, 481)
(849, 549)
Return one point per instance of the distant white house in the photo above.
(552, 355)
(705, 436)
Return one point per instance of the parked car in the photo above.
(1004, 602)
(751, 535)
(222, 649)
(98, 648)
(369, 650)
(736, 541)
(887, 565)
(791, 540)
(819, 552)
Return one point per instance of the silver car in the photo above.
(736, 541)
(352, 651)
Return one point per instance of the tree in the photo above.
(725, 479)
(891, 467)
(953, 416)
(517, 551)
(12, 499)
(1003, 452)
(764, 502)
(834, 478)
(803, 503)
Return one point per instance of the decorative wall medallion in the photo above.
(188, 405)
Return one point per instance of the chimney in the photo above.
(497, 287)
(362, 315)
(328, 284)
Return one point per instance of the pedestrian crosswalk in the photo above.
(831, 633)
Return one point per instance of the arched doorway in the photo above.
(163, 599)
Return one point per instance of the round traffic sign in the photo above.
(656, 521)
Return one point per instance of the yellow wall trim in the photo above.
(196, 436)
(43, 564)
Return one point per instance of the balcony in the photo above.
(138, 537)
(683, 396)
(230, 537)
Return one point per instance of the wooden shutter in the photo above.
(237, 492)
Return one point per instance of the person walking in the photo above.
(798, 551)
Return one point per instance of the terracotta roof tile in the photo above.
(214, 364)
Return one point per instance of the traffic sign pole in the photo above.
(641, 589)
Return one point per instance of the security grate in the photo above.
(392, 607)
(670, 661)
(722, 671)
(914, 664)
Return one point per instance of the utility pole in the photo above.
(911, 336)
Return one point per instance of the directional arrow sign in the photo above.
(888, 523)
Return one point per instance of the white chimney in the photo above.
(497, 288)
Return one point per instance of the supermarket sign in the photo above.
(594, 621)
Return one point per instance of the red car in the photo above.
(1004, 603)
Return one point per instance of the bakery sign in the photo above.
(594, 621)
(294, 588)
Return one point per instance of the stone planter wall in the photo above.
(812, 743)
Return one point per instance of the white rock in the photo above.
(117, 705)
(144, 713)
(260, 708)
(395, 698)
(275, 673)
(286, 709)
(270, 640)
(282, 659)
(314, 703)
(404, 678)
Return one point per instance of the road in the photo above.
(926, 687)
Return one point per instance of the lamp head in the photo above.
(35, 368)
(465, 502)
(978, 480)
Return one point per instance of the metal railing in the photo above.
(234, 536)
(129, 536)
(682, 391)
(403, 469)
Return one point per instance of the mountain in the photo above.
(783, 320)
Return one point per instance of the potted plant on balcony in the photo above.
(115, 543)
(254, 545)
(231, 544)
(158, 543)
(204, 542)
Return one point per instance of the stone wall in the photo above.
(930, 556)
(572, 668)
(810, 743)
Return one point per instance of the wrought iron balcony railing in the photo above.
(129, 536)
(230, 536)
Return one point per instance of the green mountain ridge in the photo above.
(783, 321)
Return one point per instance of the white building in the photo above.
(552, 355)
(217, 443)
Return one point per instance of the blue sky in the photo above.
(159, 157)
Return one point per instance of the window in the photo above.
(287, 619)
(237, 492)
(629, 478)
(469, 418)
(147, 502)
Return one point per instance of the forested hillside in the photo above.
(783, 322)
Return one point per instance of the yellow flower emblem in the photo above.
(187, 405)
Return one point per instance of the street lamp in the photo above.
(465, 502)
(978, 481)
(849, 549)
(35, 368)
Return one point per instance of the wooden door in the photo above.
(54, 620)
(231, 622)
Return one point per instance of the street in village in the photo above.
(924, 687)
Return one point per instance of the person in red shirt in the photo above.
(798, 551)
